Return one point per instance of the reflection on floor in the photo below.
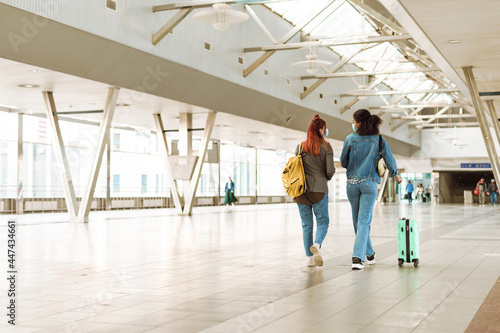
(244, 270)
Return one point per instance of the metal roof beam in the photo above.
(260, 24)
(445, 116)
(356, 99)
(392, 92)
(413, 106)
(365, 73)
(368, 60)
(377, 16)
(420, 127)
(168, 27)
(442, 111)
(285, 39)
(200, 4)
(325, 43)
(335, 68)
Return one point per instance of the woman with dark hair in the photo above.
(317, 158)
(229, 198)
(360, 157)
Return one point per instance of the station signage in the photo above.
(475, 165)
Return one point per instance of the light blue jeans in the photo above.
(322, 221)
(493, 198)
(362, 197)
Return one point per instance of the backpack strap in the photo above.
(299, 152)
(380, 146)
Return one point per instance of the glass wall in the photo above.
(8, 155)
(416, 179)
(270, 167)
(137, 166)
(239, 163)
(41, 177)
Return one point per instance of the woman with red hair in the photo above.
(317, 158)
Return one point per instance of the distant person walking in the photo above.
(493, 192)
(409, 190)
(229, 199)
(420, 192)
(482, 189)
(317, 158)
(360, 157)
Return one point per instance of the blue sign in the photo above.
(475, 165)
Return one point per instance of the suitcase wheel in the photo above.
(416, 262)
(400, 262)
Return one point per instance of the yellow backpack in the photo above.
(293, 177)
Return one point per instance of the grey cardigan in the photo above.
(318, 169)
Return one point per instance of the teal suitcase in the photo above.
(408, 243)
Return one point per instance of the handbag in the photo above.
(381, 167)
(476, 191)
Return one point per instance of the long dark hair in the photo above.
(368, 123)
(314, 138)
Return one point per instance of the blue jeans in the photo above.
(362, 197)
(493, 198)
(322, 220)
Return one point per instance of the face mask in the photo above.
(326, 133)
(354, 128)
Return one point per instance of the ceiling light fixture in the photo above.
(436, 130)
(312, 63)
(362, 92)
(221, 17)
(28, 86)
(454, 41)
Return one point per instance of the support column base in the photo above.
(77, 219)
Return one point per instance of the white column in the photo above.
(61, 158)
(19, 201)
(185, 145)
(189, 196)
(483, 120)
(88, 195)
(164, 148)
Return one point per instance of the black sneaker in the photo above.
(357, 263)
(370, 260)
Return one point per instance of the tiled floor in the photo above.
(244, 271)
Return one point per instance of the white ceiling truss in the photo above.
(382, 51)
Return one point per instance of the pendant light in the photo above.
(436, 129)
(451, 137)
(220, 16)
(362, 92)
(312, 64)
(458, 143)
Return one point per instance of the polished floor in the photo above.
(244, 270)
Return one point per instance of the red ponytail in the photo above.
(314, 138)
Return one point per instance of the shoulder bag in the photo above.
(381, 167)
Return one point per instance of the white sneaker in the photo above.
(317, 254)
(370, 260)
(310, 261)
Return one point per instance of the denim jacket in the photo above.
(231, 186)
(360, 157)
